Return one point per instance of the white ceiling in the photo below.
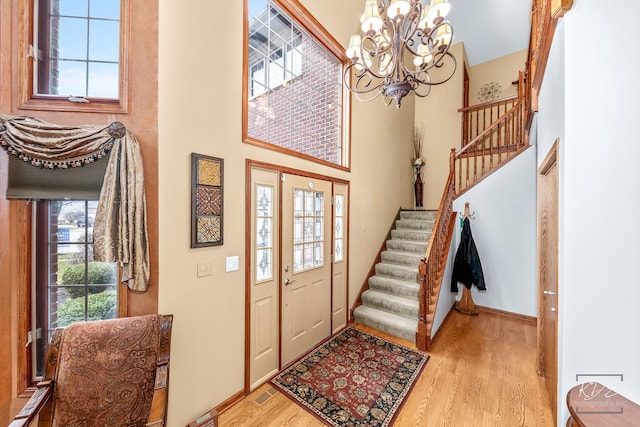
(490, 28)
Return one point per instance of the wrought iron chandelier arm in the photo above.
(439, 61)
(428, 83)
(401, 44)
(378, 47)
(361, 82)
(410, 28)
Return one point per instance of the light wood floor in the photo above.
(481, 373)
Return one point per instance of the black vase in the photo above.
(417, 187)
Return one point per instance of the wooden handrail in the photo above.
(488, 104)
(430, 266)
(491, 147)
(488, 130)
(544, 19)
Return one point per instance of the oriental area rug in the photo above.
(354, 379)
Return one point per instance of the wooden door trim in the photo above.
(550, 161)
(285, 169)
(249, 165)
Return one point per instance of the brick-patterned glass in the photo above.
(77, 46)
(308, 233)
(294, 86)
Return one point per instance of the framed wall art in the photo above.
(207, 182)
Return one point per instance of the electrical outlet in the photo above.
(204, 268)
(231, 263)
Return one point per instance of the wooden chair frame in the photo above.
(40, 403)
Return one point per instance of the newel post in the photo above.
(423, 341)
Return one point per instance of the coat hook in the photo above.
(466, 213)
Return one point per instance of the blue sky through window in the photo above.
(89, 48)
(255, 7)
(109, 9)
(74, 8)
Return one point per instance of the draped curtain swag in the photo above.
(120, 226)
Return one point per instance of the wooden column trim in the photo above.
(544, 18)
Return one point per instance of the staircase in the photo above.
(401, 297)
(391, 303)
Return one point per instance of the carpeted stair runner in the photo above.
(391, 302)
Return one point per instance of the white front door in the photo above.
(306, 264)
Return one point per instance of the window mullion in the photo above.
(86, 82)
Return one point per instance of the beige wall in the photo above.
(200, 111)
(503, 70)
(438, 113)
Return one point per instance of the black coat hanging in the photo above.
(467, 268)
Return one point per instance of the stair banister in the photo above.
(493, 146)
(488, 130)
(431, 267)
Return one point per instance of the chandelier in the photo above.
(404, 48)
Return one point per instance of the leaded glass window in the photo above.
(264, 233)
(308, 229)
(339, 229)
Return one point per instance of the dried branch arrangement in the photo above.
(418, 136)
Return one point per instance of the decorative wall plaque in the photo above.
(207, 176)
(489, 91)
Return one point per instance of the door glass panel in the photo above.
(308, 233)
(338, 228)
(264, 233)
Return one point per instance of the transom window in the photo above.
(295, 97)
(78, 48)
(308, 234)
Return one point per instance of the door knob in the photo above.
(288, 281)
(553, 309)
(549, 293)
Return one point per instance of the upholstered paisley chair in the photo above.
(104, 373)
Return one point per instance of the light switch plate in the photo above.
(232, 263)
